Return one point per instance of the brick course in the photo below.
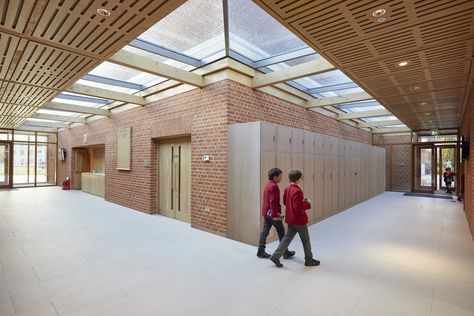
(204, 115)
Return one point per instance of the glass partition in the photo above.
(34, 158)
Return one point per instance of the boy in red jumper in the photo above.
(296, 218)
(271, 212)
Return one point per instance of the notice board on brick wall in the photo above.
(124, 148)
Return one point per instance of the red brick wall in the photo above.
(467, 130)
(200, 113)
(398, 162)
(204, 114)
(248, 105)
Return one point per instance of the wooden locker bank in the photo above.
(338, 173)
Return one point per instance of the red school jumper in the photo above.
(295, 213)
(271, 199)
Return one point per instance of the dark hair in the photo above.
(274, 172)
(294, 175)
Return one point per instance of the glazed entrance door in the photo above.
(425, 168)
(5, 165)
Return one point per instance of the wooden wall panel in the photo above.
(329, 170)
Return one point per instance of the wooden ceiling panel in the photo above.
(46, 46)
(434, 37)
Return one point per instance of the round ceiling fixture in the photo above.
(427, 113)
(103, 12)
(378, 13)
(381, 20)
(403, 63)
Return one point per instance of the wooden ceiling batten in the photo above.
(435, 38)
(46, 46)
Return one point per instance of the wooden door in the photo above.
(174, 179)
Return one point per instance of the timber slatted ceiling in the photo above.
(46, 46)
(435, 37)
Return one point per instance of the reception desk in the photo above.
(93, 183)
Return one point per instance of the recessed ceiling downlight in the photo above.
(378, 13)
(103, 12)
(403, 63)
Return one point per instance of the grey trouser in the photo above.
(302, 231)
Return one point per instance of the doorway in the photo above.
(430, 162)
(5, 165)
(174, 178)
(424, 168)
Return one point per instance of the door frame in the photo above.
(9, 185)
(416, 149)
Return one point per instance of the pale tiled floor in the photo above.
(69, 253)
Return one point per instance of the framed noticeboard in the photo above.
(124, 148)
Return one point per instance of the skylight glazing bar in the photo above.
(284, 57)
(239, 57)
(225, 6)
(113, 82)
(155, 49)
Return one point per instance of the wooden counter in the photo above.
(93, 183)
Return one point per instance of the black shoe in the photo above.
(289, 254)
(263, 255)
(312, 263)
(276, 262)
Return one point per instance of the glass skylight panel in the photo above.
(84, 100)
(257, 35)
(196, 29)
(54, 112)
(362, 109)
(379, 118)
(113, 71)
(294, 62)
(158, 58)
(341, 92)
(392, 126)
(106, 86)
(329, 78)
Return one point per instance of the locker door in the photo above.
(309, 143)
(353, 175)
(348, 198)
(267, 137)
(318, 144)
(283, 161)
(283, 139)
(297, 141)
(267, 162)
(358, 176)
(342, 182)
(327, 185)
(318, 209)
(297, 151)
(335, 181)
(308, 182)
